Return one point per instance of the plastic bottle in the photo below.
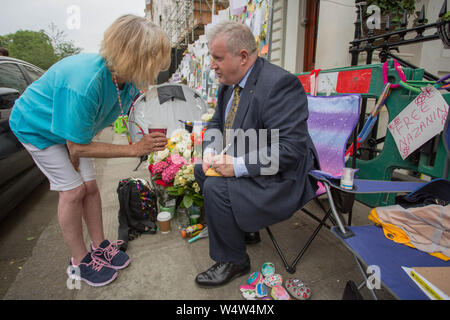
(203, 234)
(191, 229)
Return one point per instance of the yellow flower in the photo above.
(196, 187)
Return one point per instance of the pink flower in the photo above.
(178, 160)
(169, 173)
(158, 167)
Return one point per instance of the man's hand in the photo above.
(207, 161)
(155, 141)
(223, 164)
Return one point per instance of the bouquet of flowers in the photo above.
(186, 186)
(172, 170)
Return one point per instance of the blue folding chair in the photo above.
(369, 245)
(331, 123)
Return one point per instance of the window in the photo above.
(33, 72)
(12, 77)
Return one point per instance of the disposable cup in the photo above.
(157, 128)
(163, 219)
(347, 178)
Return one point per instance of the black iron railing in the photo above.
(392, 39)
(385, 41)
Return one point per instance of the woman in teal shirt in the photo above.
(58, 115)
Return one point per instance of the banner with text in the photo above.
(420, 121)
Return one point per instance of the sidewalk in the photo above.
(164, 266)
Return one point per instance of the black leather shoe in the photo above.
(221, 273)
(252, 237)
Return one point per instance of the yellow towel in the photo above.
(396, 234)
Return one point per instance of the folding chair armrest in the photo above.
(367, 186)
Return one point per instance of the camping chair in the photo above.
(331, 122)
(369, 245)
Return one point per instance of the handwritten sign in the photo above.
(420, 121)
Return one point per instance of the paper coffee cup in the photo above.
(164, 221)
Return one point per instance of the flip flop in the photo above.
(298, 289)
(268, 269)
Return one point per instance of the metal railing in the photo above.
(179, 21)
(180, 24)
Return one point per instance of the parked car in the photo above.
(19, 175)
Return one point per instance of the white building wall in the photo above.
(336, 29)
(294, 35)
(433, 57)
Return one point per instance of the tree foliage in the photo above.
(40, 48)
(62, 47)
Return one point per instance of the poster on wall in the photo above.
(194, 69)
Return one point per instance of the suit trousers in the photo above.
(226, 239)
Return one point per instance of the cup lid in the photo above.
(163, 216)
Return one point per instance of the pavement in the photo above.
(34, 258)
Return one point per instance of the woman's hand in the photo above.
(155, 141)
(75, 161)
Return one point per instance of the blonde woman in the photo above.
(57, 117)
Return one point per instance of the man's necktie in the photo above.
(234, 106)
(232, 113)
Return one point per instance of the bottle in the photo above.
(191, 229)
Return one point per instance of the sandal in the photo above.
(279, 293)
(298, 289)
(268, 269)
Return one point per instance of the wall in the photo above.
(434, 58)
(336, 29)
(294, 36)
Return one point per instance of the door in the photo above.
(312, 16)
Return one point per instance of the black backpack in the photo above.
(138, 210)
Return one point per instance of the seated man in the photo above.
(262, 110)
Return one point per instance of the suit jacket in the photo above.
(272, 99)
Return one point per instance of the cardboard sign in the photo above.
(420, 121)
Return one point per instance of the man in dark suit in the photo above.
(262, 111)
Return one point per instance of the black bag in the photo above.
(138, 210)
(434, 192)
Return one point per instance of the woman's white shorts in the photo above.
(55, 164)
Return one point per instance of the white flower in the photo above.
(187, 154)
(206, 116)
(161, 155)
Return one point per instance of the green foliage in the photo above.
(31, 46)
(395, 8)
(62, 47)
(446, 16)
(40, 48)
